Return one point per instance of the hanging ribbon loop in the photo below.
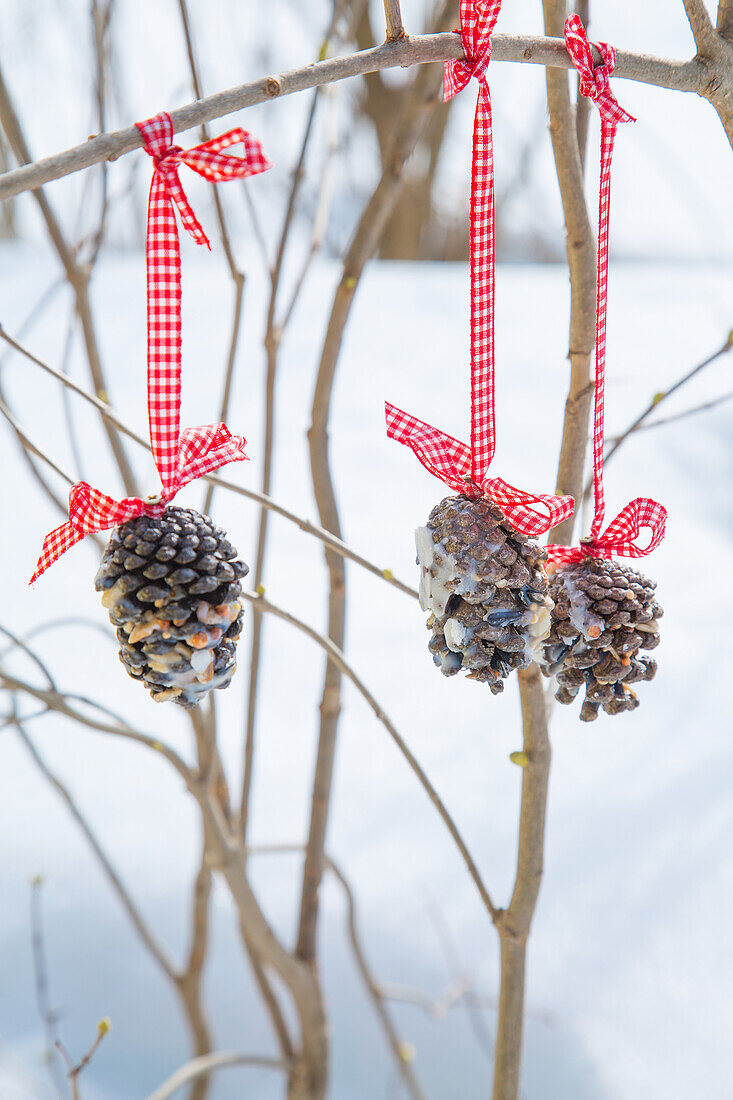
(466, 469)
(620, 535)
(180, 456)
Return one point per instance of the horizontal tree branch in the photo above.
(683, 76)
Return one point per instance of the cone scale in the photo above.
(171, 585)
(485, 588)
(605, 614)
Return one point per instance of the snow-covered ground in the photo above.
(631, 958)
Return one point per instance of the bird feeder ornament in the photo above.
(605, 613)
(481, 569)
(170, 578)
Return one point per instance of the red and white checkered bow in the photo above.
(181, 456)
(618, 540)
(462, 468)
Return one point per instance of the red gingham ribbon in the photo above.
(618, 540)
(180, 456)
(464, 469)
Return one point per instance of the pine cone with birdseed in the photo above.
(171, 586)
(485, 586)
(605, 613)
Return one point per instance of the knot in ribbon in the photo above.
(478, 19)
(180, 456)
(619, 538)
(202, 451)
(207, 160)
(594, 78)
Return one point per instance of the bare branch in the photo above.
(376, 996)
(136, 918)
(305, 525)
(515, 922)
(56, 701)
(657, 400)
(417, 106)
(724, 22)
(49, 1017)
(75, 1069)
(393, 19)
(677, 75)
(273, 336)
(209, 1063)
(706, 406)
(699, 20)
(581, 253)
(77, 276)
(34, 448)
(337, 658)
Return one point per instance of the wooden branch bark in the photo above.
(724, 21)
(581, 253)
(699, 20)
(393, 20)
(416, 109)
(198, 1068)
(514, 922)
(336, 656)
(683, 76)
(715, 57)
(273, 337)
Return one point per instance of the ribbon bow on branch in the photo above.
(619, 537)
(465, 469)
(180, 456)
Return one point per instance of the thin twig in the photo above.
(34, 448)
(210, 1063)
(49, 1017)
(137, 920)
(658, 398)
(77, 276)
(375, 990)
(76, 1069)
(337, 658)
(418, 49)
(59, 702)
(704, 407)
(417, 107)
(396, 1045)
(393, 19)
(273, 336)
(305, 525)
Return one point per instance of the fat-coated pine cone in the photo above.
(171, 586)
(486, 589)
(605, 613)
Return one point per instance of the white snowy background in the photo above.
(631, 958)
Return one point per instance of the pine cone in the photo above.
(604, 614)
(485, 585)
(171, 585)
